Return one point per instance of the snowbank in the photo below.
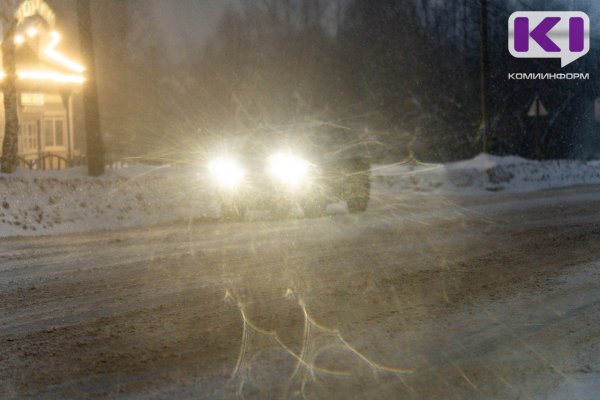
(488, 173)
(36, 202)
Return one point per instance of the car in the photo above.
(281, 169)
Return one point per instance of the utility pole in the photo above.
(94, 145)
(485, 70)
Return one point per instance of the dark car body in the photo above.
(337, 160)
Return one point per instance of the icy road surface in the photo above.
(424, 296)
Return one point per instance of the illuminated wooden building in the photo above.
(47, 82)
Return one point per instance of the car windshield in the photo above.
(300, 199)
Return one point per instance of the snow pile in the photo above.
(36, 202)
(487, 173)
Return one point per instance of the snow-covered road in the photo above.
(427, 295)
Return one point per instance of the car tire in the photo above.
(358, 186)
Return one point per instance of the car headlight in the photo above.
(288, 168)
(226, 172)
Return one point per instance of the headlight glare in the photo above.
(226, 172)
(288, 168)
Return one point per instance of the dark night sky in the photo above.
(178, 27)
(181, 27)
(184, 23)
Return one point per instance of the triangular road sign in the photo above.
(537, 109)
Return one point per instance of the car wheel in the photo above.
(358, 187)
(357, 204)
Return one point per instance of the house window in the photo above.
(29, 136)
(54, 132)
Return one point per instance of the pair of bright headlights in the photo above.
(288, 169)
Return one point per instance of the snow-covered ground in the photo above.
(489, 173)
(495, 295)
(36, 202)
(584, 385)
(583, 381)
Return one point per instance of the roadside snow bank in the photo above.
(488, 173)
(48, 202)
(36, 202)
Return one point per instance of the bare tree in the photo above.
(11, 118)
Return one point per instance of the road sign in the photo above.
(537, 109)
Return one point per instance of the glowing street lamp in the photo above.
(32, 32)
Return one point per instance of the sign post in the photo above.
(537, 111)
